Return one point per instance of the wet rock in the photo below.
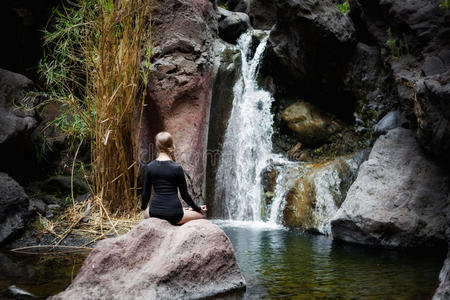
(269, 181)
(443, 291)
(232, 25)
(311, 125)
(14, 205)
(398, 199)
(180, 84)
(319, 192)
(390, 121)
(229, 70)
(157, 260)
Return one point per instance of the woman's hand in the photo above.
(204, 209)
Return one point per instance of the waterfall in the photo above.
(247, 147)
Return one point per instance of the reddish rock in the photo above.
(180, 84)
(157, 260)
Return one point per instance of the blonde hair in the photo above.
(164, 143)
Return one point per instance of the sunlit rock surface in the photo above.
(157, 260)
(319, 192)
(443, 291)
(399, 198)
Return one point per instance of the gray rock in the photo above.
(157, 260)
(443, 291)
(232, 25)
(399, 197)
(391, 120)
(83, 197)
(38, 205)
(433, 65)
(14, 204)
(14, 120)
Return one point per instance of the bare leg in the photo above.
(146, 213)
(190, 215)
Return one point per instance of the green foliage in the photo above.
(343, 7)
(397, 47)
(445, 5)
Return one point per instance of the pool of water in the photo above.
(276, 264)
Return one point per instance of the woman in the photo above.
(165, 175)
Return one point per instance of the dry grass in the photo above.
(89, 219)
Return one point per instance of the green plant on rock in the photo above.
(343, 7)
(445, 5)
(397, 47)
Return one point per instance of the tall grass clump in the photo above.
(93, 67)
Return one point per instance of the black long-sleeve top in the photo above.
(166, 177)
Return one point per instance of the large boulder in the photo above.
(399, 198)
(14, 207)
(14, 119)
(157, 260)
(232, 24)
(443, 291)
(311, 126)
(180, 86)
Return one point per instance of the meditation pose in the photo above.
(166, 176)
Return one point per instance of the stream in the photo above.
(276, 263)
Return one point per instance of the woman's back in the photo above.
(166, 177)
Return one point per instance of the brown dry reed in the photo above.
(98, 68)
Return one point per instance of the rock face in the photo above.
(418, 58)
(443, 291)
(157, 260)
(298, 53)
(181, 83)
(309, 123)
(14, 204)
(399, 198)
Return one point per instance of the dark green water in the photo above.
(276, 263)
(283, 264)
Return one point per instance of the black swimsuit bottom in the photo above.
(166, 177)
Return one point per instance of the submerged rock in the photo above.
(157, 260)
(398, 199)
(317, 195)
(14, 207)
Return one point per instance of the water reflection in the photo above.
(40, 275)
(283, 264)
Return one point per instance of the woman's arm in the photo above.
(147, 188)
(181, 182)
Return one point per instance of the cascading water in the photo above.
(247, 147)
